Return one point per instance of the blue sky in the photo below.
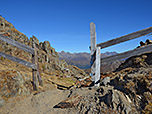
(65, 23)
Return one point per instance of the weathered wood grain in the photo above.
(20, 61)
(137, 51)
(97, 71)
(93, 48)
(33, 65)
(34, 71)
(38, 71)
(125, 38)
(92, 37)
(93, 58)
(17, 44)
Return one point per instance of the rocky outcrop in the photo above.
(144, 60)
(102, 100)
(16, 79)
(125, 92)
(136, 84)
(47, 56)
(148, 41)
(13, 83)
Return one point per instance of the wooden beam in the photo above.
(92, 37)
(20, 61)
(34, 71)
(2, 32)
(125, 38)
(134, 52)
(38, 71)
(97, 72)
(17, 44)
(39, 76)
(93, 48)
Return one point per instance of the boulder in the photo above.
(105, 81)
(69, 102)
(120, 103)
(142, 43)
(13, 84)
(34, 39)
(148, 41)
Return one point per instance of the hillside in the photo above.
(16, 79)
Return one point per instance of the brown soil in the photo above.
(38, 103)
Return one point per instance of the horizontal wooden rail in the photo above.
(33, 50)
(128, 54)
(2, 32)
(17, 44)
(20, 61)
(125, 38)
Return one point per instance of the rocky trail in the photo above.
(40, 103)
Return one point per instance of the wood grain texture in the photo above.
(92, 37)
(93, 48)
(137, 51)
(125, 38)
(34, 71)
(38, 71)
(97, 72)
(20, 61)
(17, 44)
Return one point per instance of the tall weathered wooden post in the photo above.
(95, 56)
(34, 71)
(93, 49)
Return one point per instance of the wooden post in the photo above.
(93, 49)
(34, 71)
(38, 72)
(39, 77)
(97, 72)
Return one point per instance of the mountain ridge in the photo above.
(82, 59)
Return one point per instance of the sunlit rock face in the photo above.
(16, 79)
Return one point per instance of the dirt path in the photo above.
(41, 103)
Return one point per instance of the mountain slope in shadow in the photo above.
(81, 60)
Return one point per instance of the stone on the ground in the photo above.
(2, 102)
(105, 81)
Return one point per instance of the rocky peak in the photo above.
(8, 29)
(5, 25)
(51, 68)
